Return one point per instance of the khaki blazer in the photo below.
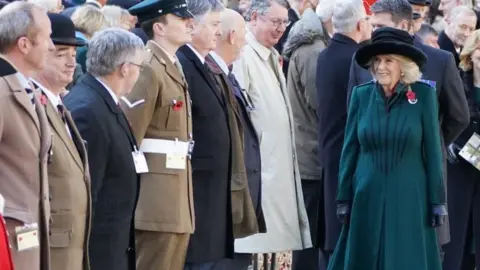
(25, 140)
(69, 183)
(166, 196)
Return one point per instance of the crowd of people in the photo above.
(238, 135)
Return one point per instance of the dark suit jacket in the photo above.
(446, 44)
(332, 87)
(113, 177)
(441, 71)
(211, 164)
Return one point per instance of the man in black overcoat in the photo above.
(93, 103)
(213, 239)
(332, 87)
(440, 72)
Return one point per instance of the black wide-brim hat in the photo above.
(387, 40)
(63, 31)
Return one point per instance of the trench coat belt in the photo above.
(159, 146)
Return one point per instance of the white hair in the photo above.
(324, 9)
(461, 10)
(48, 5)
(346, 15)
(110, 48)
(115, 15)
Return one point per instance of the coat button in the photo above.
(50, 233)
(255, 145)
(50, 197)
(255, 171)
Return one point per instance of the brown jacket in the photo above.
(69, 183)
(243, 213)
(166, 195)
(24, 147)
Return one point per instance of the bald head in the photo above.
(231, 21)
(230, 45)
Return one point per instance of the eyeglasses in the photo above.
(278, 22)
(140, 66)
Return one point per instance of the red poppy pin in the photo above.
(412, 98)
(280, 61)
(177, 104)
(43, 100)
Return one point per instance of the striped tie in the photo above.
(31, 95)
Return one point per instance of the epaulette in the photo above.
(148, 56)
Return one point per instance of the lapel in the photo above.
(59, 127)
(8, 72)
(78, 141)
(208, 78)
(446, 44)
(224, 80)
(164, 59)
(112, 106)
(45, 133)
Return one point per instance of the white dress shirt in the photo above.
(54, 99)
(114, 96)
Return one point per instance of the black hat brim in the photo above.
(183, 13)
(367, 52)
(69, 42)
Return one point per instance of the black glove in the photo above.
(343, 212)
(439, 214)
(452, 151)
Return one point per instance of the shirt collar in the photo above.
(171, 57)
(54, 99)
(114, 96)
(200, 57)
(23, 80)
(221, 63)
(261, 50)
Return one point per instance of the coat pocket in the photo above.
(157, 164)
(60, 238)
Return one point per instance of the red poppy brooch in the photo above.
(177, 104)
(43, 99)
(411, 97)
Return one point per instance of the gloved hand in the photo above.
(343, 212)
(438, 215)
(452, 151)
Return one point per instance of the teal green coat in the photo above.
(391, 172)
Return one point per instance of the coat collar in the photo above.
(59, 126)
(165, 60)
(261, 50)
(91, 81)
(341, 38)
(446, 44)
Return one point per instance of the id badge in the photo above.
(177, 159)
(140, 161)
(27, 236)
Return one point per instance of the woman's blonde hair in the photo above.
(88, 20)
(409, 69)
(471, 44)
(117, 16)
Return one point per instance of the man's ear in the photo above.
(254, 17)
(405, 25)
(232, 36)
(157, 29)
(24, 45)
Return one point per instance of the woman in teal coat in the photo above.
(390, 194)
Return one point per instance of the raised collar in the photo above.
(339, 37)
(261, 50)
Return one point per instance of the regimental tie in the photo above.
(31, 95)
